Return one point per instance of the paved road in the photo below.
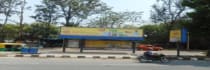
(91, 64)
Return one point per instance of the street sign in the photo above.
(178, 36)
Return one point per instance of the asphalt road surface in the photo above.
(96, 64)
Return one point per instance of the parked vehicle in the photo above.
(149, 47)
(11, 46)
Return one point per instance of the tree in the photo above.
(168, 12)
(155, 33)
(38, 31)
(10, 31)
(107, 19)
(128, 26)
(112, 19)
(8, 8)
(22, 9)
(75, 11)
(132, 16)
(1, 6)
(199, 26)
(47, 12)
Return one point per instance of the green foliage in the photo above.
(199, 26)
(75, 11)
(47, 12)
(40, 30)
(10, 31)
(7, 9)
(169, 12)
(172, 14)
(155, 34)
(30, 32)
(200, 17)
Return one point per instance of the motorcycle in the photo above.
(157, 57)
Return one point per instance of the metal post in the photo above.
(188, 41)
(178, 49)
(134, 47)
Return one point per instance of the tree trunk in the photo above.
(67, 22)
(21, 21)
(48, 24)
(69, 16)
(112, 25)
(5, 21)
(47, 31)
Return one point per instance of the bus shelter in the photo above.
(109, 34)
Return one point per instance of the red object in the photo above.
(146, 47)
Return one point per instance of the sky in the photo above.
(144, 6)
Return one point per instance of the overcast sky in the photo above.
(117, 5)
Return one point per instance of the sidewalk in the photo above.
(85, 51)
(8, 53)
(120, 52)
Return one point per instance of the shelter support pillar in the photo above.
(64, 45)
(178, 49)
(81, 45)
(133, 47)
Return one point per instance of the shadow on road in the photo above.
(186, 63)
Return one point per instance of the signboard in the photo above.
(184, 38)
(175, 35)
(74, 31)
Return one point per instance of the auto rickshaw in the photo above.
(11, 46)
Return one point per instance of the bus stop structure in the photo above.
(83, 34)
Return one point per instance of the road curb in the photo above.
(71, 56)
(193, 58)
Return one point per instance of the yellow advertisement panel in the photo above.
(101, 32)
(175, 35)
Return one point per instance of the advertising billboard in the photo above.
(75, 31)
(175, 35)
